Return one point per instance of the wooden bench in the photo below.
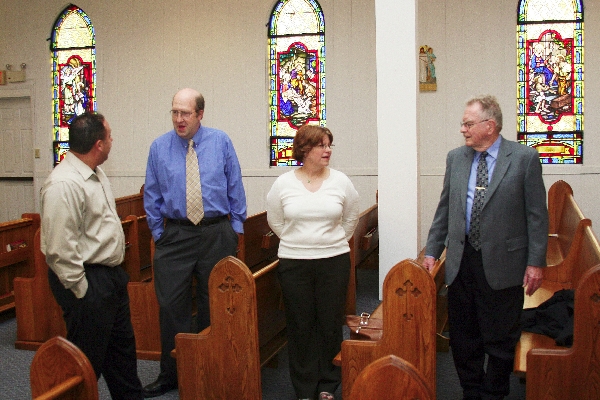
(60, 370)
(576, 368)
(566, 223)
(131, 205)
(364, 246)
(258, 246)
(390, 377)
(247, 330)
(408, 312)
(39, 317)
(138, 262)
(16, 255)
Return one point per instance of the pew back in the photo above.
(60, 370)
(258, 246)
(566, 223)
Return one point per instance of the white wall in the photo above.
(476, 54)
(147, 50)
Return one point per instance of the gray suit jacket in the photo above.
(514, 219)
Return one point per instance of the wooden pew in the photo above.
(409, 331)
(258, 246)
(60, 370)
(566, 223)
(573, 373)
(579, 272)
(247, 330)
(39, 317)
(16, 255)
(131, 205)
(390, 377)
(364, 246)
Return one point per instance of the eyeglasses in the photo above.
(325, 146)
(184, 114)
(469, 125)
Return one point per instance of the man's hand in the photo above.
(533, 279)
(429, 262)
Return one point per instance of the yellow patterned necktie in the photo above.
(193, 190)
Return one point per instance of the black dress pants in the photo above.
(100, 325)
(314, 295)
(182, 253)
(483, 321)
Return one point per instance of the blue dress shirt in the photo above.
(490, 160)
(220, 174)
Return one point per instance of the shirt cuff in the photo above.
(80, 288)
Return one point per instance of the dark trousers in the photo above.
(100, 325)
(314, 295)
(181, 253)
(482, 321)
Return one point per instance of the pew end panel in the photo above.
(390, 377)
(223, 362)
(409, 332)
(561, 373)
(60, 370)
(39, 317)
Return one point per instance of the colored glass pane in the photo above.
(296, 73)
(73, 73)
(550, 79)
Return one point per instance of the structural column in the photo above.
(397, 85)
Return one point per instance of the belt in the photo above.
(205, 221)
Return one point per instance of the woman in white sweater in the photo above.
(314, 210)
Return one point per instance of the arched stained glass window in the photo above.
(73, 48)
(296, 74)
(550, 79)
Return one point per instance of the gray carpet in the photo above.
(276, 385)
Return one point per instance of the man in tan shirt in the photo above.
(83, 241)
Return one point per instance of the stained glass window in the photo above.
(550, 79)
(73, 48)
(296, 74)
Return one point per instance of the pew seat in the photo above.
(60, 370)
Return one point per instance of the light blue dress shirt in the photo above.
(220, 175)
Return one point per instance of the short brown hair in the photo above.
(307, 137)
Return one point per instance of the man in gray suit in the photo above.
(492, 219)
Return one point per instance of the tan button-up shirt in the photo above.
(79, 222)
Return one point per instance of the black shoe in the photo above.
(159, 387)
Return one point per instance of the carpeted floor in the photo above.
(276, 385)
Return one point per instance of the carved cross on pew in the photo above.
(230, 286)
(414, 291)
